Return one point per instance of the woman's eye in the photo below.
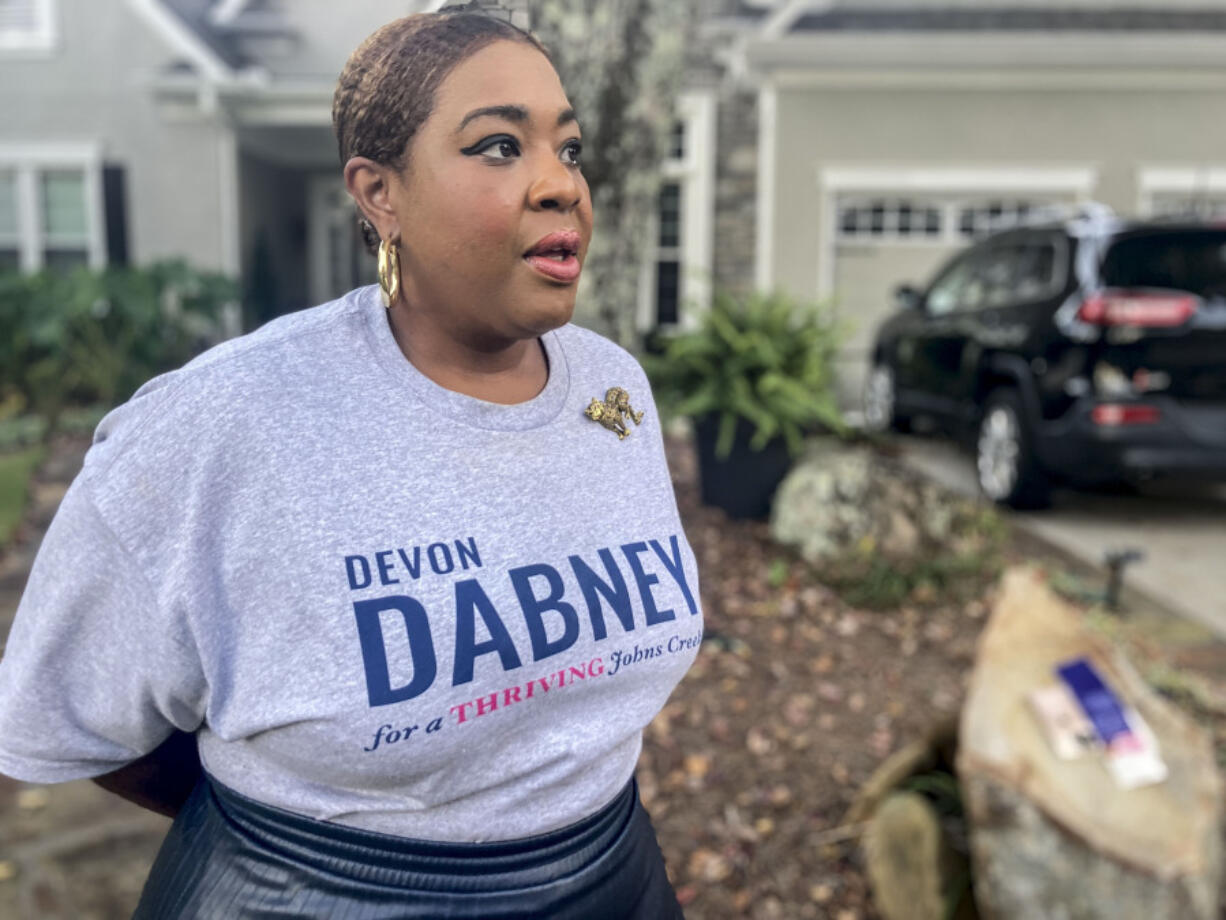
(502, 148)
(574, 150)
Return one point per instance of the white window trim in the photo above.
(695, 171)
(764, 235)
(1187, 180)
(42, 38)
(1079, 181)
(27, 161)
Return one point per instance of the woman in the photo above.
(412, 576)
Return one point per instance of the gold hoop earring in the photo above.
(389, 270)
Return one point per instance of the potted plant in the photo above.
(756, 376)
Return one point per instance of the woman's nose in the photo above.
(557, 187)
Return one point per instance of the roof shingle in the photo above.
(1012, 19)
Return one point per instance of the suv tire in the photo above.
(880, 401)
(1005, 463)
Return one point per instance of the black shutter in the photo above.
(115, 201)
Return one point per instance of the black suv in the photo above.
(1088, 350)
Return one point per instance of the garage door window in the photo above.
(978, 219)
(26, 24)
(1203, 207)
(889, 218)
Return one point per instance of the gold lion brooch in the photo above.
(613, 411)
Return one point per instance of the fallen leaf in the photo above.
(697, 764)
(797, 707)
(757, 742)
(848, 625)
(821, 893)
(709, 866)
(780, 794)
(831, 692)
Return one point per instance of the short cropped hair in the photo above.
(387, 88)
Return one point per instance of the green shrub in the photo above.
(91, 338)
(765, 358)
(15, 472)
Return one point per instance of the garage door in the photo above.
(882, 241)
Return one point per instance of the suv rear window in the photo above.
(1189, 260)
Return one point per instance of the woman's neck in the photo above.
(507, 372)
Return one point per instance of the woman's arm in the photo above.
(161, 780)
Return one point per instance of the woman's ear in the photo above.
(368, 184)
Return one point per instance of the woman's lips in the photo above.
(554, 268)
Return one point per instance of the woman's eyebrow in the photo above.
(515, 113)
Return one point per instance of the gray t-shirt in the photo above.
(380, 602)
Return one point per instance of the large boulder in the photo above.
(1057, 839)
(841, 498)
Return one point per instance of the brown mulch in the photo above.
(794, 700)
(797, 696)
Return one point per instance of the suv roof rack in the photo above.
(1084, 215)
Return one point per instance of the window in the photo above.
(992, 284)
(946, 293)
(997, 275)
(676, 141)
(1037, 271)
(65, 242)
(668, 254)
(893, 218)
(1202, 207)
(51, 208)
(978, 219)
(10, 238)
(26, 24)
(677, 258)
(1181, 261)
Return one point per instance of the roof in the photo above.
(195, 15)
(1011, 19)
(221, 27)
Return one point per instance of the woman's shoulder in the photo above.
(589, 351)
(233, 381)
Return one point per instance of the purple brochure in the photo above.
(1100, 703)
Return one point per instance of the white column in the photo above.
(29, 219)
(228, 211)
(765, 237)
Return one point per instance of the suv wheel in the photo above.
(880, 413)
(1008, 470)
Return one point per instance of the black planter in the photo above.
(744, 482)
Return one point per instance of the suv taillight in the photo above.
(1113, 415)
(1122, 308)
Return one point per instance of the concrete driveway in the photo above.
(1181, 528)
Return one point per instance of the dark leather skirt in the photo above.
(228, 857)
